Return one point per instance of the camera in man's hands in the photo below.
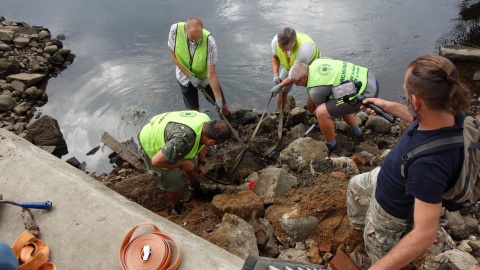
(376, 108)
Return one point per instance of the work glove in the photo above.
(275, 90)
(194, 80)
(218, 104)
(276, 79)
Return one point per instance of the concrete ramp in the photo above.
(88, 221)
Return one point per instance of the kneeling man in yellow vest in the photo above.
(177, 141)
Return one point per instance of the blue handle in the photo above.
(37, 205)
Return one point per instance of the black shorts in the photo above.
(190, 95)
(338, 110)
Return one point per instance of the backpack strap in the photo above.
(433, 146)
(440, 143)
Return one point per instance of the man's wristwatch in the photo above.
(201, 162)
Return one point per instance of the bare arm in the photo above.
(174, 57)
(200, 168)
(397, 109)
(285, 82)
(275, 64)
(186, 165)
(213, 81)
(423, 235)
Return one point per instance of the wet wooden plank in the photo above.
(125, 153)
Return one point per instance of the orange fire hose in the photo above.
(149, 251)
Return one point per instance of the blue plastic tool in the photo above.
(36, 205)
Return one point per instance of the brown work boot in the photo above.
(200, 189)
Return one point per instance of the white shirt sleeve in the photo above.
(274, 45)
(171, 36)
(304, 53)
(212, 56)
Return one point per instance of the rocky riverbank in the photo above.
(291, 204)
(287, 205)
(29, 57)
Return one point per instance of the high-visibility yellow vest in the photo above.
(332, 72)
(301, 38)
(152, 136)
(197, 65)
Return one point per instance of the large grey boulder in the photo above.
(460, 53)
(6, 35)
(236, 236)
(245, 117)
(296, 226)
(272, 183)
(244, 204)
(28, 79)
(378, 124)
(21, 41)
(452, 259)
(7, 103)
(46, 132)
(301, 152)
(460, 227)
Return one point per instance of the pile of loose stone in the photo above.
(28, 58)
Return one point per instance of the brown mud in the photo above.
(321, 195)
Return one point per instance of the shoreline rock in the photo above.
(28, 58)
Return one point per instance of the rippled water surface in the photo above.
(123, 60)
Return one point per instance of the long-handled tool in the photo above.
(36, 205)
(240, 156)
(209, 99)
(270, 151)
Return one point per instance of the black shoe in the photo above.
(180, 208)
(334, 149)
(358, 138)
(204, 190)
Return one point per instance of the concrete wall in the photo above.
(88, 221)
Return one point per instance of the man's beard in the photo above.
(411, 109)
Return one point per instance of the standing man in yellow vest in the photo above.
(176, 141)
(290, 47)
(194, 52)
(321, 78)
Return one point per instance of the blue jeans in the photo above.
(8, 261)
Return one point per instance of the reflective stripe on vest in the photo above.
(332, 72)
(197, 65)
(301, 38)
(152, 136)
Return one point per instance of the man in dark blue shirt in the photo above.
(379, 202)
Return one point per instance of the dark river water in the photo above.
(123, 62)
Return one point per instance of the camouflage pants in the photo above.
(381, 231)
(168, 180)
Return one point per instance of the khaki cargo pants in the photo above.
(381, 231)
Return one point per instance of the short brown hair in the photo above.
(218, 130)
(287, 36)
(435, 79)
